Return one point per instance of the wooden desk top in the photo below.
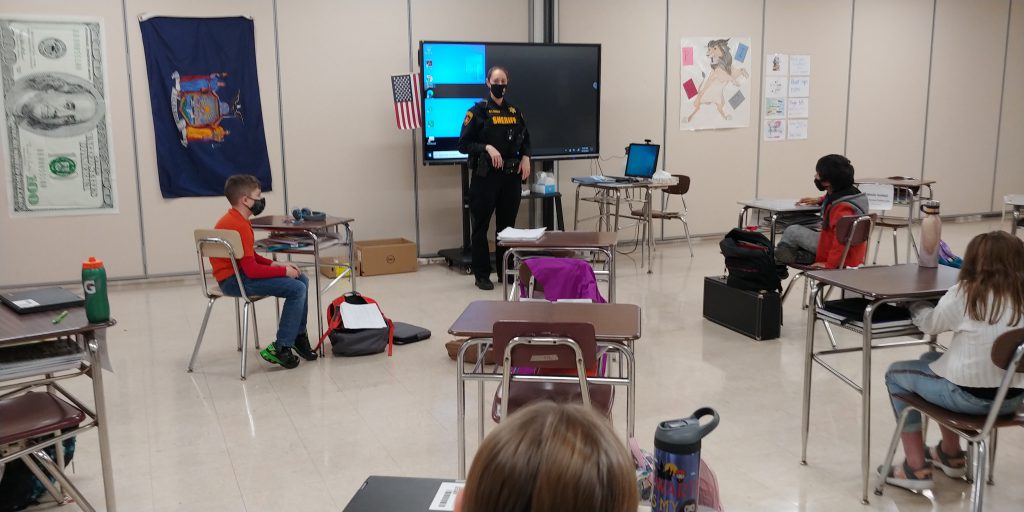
(612, 322)
(909, 281)
(287, 223)
(779, 205)
(909, 182)
(568, 239)
(16, 329)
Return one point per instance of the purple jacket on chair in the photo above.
(565, 278)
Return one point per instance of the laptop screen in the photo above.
(642, 160)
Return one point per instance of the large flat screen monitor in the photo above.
(557, 86)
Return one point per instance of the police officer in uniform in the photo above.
(495, 137)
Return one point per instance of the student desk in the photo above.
(880, 285)
(323, 233)
(596, 241)
(609, 195)
(775, 207)
(1016, 203)
(16, 329)
(617, 326)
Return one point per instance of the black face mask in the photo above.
(498, 90)
(817, 183)
(258, 205)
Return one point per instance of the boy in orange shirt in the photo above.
(261, 276)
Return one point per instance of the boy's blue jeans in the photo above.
(293, 291)
(916, 377)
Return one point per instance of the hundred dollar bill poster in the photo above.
(55, 127)
(207, 116)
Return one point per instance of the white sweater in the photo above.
(968, 362)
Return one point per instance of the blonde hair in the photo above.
(552, 457)
(992, 277)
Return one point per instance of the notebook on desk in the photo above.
(41, 299)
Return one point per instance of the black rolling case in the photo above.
(754, 314)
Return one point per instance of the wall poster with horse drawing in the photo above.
(714, 83)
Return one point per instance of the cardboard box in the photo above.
(331, 266)
(389, 256)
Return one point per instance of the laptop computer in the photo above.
(40, 299)
(641, 162)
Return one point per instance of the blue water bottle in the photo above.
(677, 456)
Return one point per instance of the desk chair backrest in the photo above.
(1008, 350)
(545, 346)
(218, 243)
(513, 341)
(1008, 354)
(679, 188)
(853, 230)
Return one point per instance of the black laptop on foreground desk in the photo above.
(41, 299)
(403, 494)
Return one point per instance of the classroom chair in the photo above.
(566, 352)
(679, 189)
(978, 431)
(901, 196)
(850, 230)
(224, 243)
(33, 422)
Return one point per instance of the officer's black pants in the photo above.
(487, 194)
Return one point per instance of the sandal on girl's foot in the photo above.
(954, 466)
(912, 479)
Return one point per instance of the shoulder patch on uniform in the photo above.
(469, 117)
(512, 110)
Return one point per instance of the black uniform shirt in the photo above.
(497, 125)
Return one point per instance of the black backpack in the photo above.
(748, 257)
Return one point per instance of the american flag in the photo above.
(406, 90)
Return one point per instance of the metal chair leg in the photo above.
(43, 479)
(238, 325)
(66, 484)
(993, 439)
(686, 229)
(891, 453)
(978, 490)
(245, 335)
(895, 252)
(878, 243)
(255, 328)
(202, 331)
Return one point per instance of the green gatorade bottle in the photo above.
(94, 283)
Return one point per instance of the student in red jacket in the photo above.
(261, 276)
(801, 244)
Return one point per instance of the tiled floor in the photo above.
(305, 439)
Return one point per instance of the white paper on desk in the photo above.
(101, 345)
(511, 233)
(362, 316)
(444, 500)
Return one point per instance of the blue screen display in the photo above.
(642, 160)
(443, 117)
(457, 64)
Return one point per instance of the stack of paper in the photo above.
(39, 358)
(511, 233)
(362, 316)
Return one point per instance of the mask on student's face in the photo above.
(258, 205)
(498, 90)
(819, 184)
